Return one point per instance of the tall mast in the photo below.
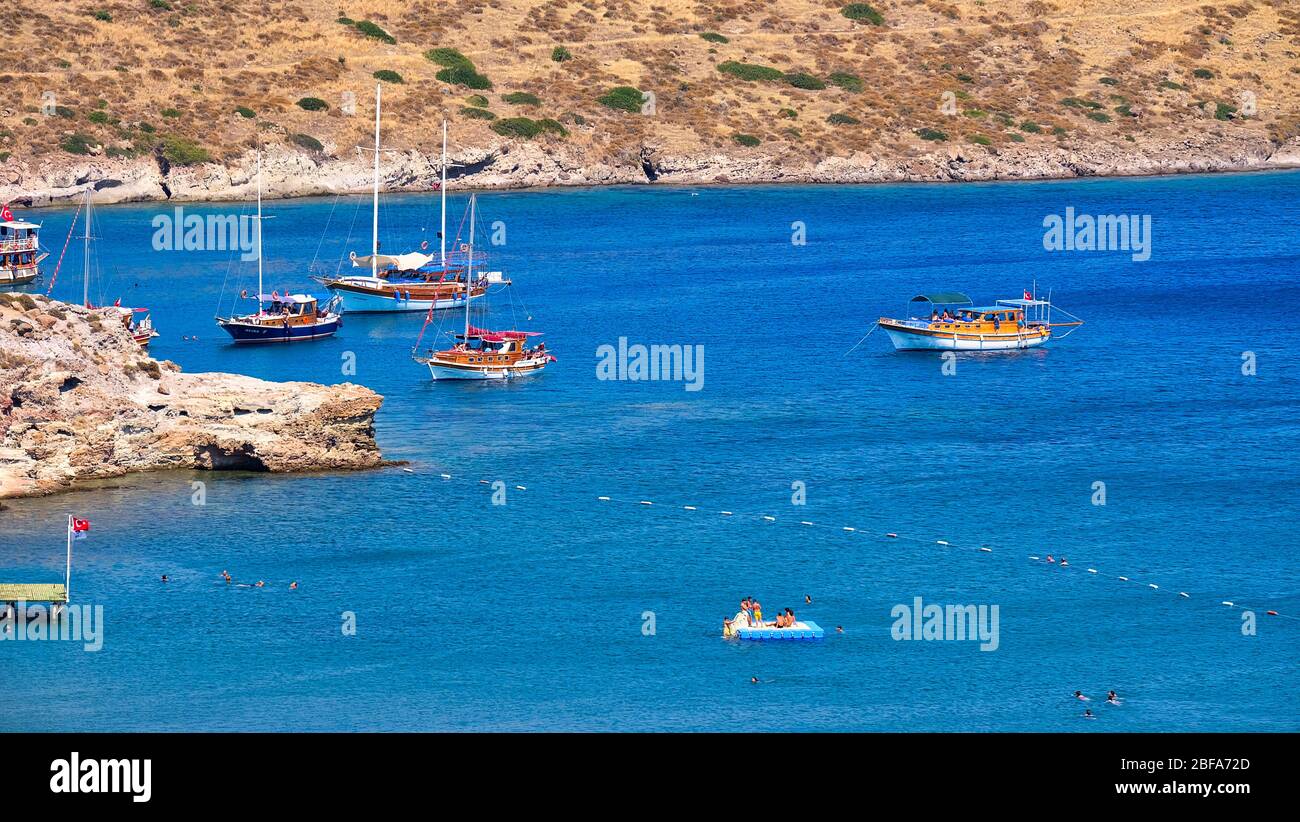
(374, 229)
(442, 233)
(85, 284)
(259, 231)
(469, 265)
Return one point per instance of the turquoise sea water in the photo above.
(529, 616)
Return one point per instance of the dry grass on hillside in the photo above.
(129, 76)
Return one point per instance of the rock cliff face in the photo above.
(505, 164)
(80, 400)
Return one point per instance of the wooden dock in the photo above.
(32, 592)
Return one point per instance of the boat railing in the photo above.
(8, 246)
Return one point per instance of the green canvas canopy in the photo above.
(943, 298)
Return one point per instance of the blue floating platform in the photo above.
(802, 629)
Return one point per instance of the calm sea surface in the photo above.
(558, 611)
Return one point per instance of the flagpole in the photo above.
(67, 573)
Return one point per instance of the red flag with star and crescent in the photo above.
(6, 214)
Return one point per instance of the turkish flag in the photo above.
(6, 214)
(80, 524)
(1027, 295)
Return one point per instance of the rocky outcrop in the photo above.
(80, 400)
(506, 164)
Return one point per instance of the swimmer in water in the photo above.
(165, 579)
(1063, 562)
(753, 680)
(1112, 697)
(1079, 696)
(293, 586)
(1049, 558)
(1087, 713)
(807, 599)
(261, 584)
(839, 629)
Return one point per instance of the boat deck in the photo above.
(802, 629)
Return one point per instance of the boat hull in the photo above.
(915, 339)
(362, 299)
(8, 277)
(246, 332)
(523, 368)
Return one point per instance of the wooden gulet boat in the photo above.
(411, 281)
(479, 354)
(961, 326)
(289, 318)
(20, 250)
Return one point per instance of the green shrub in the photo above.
(1099, 116)
(521, 98)
(787, 113)
(1203, 74)
(347, 21)
(863, 12)
(750, 71)
(1108, 81)
(160, 4)
(800, 79)
(980, 140)
(1125, 110)
(369, 29)
(1076, 102)
(100, 117)
(714, 37)
(170, 112)
(1059, 131)
(245, 112)
(976, 113)
(1017, 138)
(1170, 84)
(387, 76)
(848, 82)
(965, 78)
(448, 57)
(103, 15)
(77, 143)
(746, 139)
(308, 142)
(1031, 127)
(1223, 111)
(477, 113)
(839, 119)
(182, 151)
(477, 100)
(147, 128)
(313, 104)
(559, 54)
(68, 114)
(623, 98)
(933, 134)
(526, 128)
(465, 75)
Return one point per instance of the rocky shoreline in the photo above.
(535, 164)
(80, 400)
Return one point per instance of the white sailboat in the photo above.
(411, 281)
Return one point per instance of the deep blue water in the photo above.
(529, 615)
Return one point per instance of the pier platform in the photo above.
(802, 629)
(32, 592)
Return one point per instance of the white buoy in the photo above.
(847, 528)
(1153, 586)
(941, 542)
(769, 519)
(1124, 578)
(520, 488)
(725, 513)
(805, 522)
(1033, 557)
(484, 482)
(986, 550)
(690, 508)
(1092, 570)
(646, 502)
(446, 476)
(1229, 604)
(408, 470)
(1184, 594)
(603, 499)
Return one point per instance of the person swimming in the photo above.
(1087, 713)
(1112, 697)
(1079, 696)
(753, 680)
(165, 579)
(839, 629)
(293, 586)
(807, 599)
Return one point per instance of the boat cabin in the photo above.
(481, 347)
(19, 250)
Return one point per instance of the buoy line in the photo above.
(705, 514)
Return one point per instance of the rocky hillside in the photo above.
(80, 400)
(156, 99)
